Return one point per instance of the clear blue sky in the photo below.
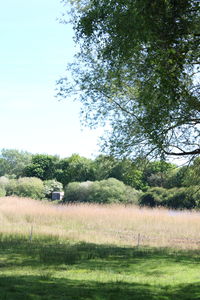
(35, 49)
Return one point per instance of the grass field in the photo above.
(97, 252)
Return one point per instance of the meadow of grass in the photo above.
(113, 224)
(81, 251)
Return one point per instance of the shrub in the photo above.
(132, 195)
(176, 198)
(3, 182)
(11, 187)
(30, 187)
(26, 187)
(154, 197)
(194, 193)
(104, 191)
(2, 192)
(107, 191)
(77, 191)
(148, 199)
(181, 198)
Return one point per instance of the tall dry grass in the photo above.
(113, 224)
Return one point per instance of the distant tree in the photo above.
(177, 177)
(3, 166)
(75, 168)
(155, 172)
(62, 172)
(104, 165)
(125, 170)
(138, 68)
(157, 179)
(13, 161)
(193, 173)
(42, 166)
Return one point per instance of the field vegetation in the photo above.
(92, 251)
(101, 224)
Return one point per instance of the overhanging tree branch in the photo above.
(140, 63)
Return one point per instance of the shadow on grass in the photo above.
(33, 288)
(18, 253)
(51, 252)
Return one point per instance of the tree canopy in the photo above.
(75, 168)
(12, 161)
(138, 69)
(42, 166)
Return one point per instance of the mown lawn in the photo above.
(46, 269)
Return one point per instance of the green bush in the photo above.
(11, 187)
(77, 191)
(3, 182)
(2, 192)
(176, 198)
(104, 191)
(181, 198)
(30, 187)
(26, 187)
(194, 193)
(132, 195)
(148, 199)
(154, 197)
(107, 191)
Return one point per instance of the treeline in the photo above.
(154, 182)
(139, 174)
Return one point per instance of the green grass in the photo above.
(46, 269)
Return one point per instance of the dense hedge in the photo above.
(2, 192)
(176, 198)
(104, 191)
(25, 187)
(3, 182)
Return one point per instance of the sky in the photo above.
(35, 49)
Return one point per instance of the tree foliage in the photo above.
(13, 161)
(138, 69)
(156, 172)
(193, 173)
(42, 166)
(125, 170)
(74, 168)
